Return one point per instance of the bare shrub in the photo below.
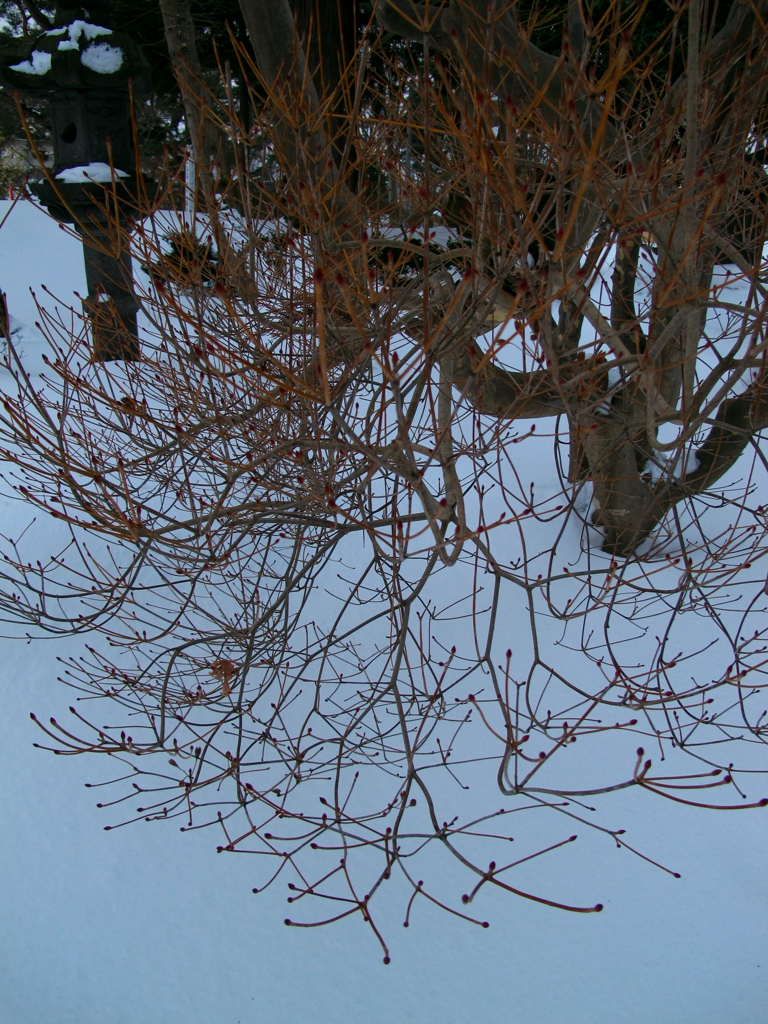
(446, 430)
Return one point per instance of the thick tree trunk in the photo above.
(327, 30)
(180, 37)
(303, 145)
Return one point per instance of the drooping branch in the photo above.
(473, 31)
(630, 507)
(716, 62)
(737, 422)
(495, 391)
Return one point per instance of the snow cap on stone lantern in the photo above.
(87, 71)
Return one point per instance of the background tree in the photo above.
(462, 243)
(162, 126)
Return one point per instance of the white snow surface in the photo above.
(100, 57)
(103, 58)
(97, 170)
(144, 923)
(39, 63)
(75, 30)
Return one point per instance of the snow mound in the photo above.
(97, 170)
(102, 58)
(39, 63)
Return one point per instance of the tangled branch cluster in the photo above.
(338, 581)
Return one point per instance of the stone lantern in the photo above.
(89, 73)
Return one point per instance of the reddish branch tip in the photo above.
(288, 921)
(319, 276)
(254, 890)
(676, 874)
(763, 802)
(387, 960)
(509, 653)
(598, 907)
(485, 924)
(465, 898)
(640, 751)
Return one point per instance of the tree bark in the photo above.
(327, 30)
(303, 144)
(204, 135)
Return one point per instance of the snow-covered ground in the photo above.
(143, 923)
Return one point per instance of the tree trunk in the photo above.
(328, 32)
(303, 146)
(205, 136)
